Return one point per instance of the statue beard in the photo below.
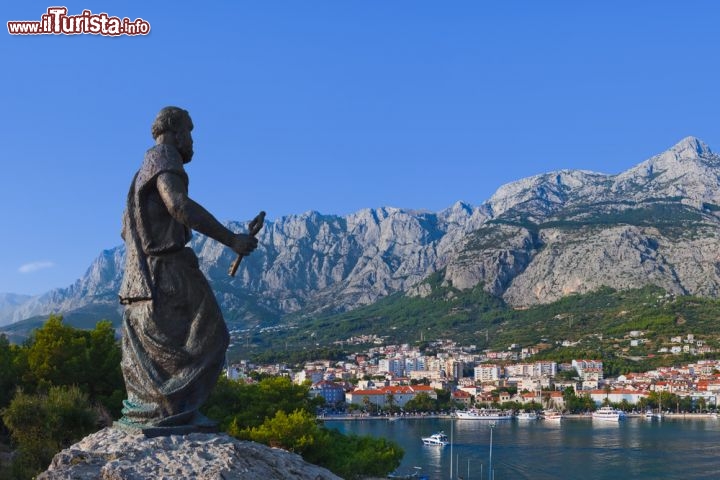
(186, 152)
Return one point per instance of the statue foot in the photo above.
(201, 421)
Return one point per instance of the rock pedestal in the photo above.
(113, 454)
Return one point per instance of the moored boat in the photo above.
(552, 415)
(651, 415)
(609, 414)
(523, 415)
(483, 414)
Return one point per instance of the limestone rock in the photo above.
(533, 241)
(113, 454)
(9, 306)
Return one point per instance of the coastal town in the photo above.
(386, 377)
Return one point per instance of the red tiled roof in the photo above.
(396, 390)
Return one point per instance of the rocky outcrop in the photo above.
(583, 260)
(492, 256)
(113, 454)
(687, 172)
(655, 224)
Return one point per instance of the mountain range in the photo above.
(534, 241)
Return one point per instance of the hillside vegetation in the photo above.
(601, 324)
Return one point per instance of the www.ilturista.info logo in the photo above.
(57, 22)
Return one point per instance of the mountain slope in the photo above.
(534, 241)
(573, 232)
(9, 304)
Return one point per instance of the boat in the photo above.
(439, 439)
(416, 475)
(609, 414)
(523, 415)
(483, 414)
(552, 415)
(651, 415)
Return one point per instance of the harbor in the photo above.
(637, 448)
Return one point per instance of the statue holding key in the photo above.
(174, 335)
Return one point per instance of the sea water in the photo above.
(575, 448)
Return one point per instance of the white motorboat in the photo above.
(438, 439)
(484, 414)
(651, 415)
(609, 414)
(523, 415)
(409, 476)
(552, 415)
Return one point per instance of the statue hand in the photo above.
(243, 244)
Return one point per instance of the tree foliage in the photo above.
(250, 404)
(349, 456)
(51, 387)
(11, 370)
(422, 402)
(598, 323)
(577, 404)
(296, 432)
(276, 412)
(353, 456)
(42, 424)
(59, 354)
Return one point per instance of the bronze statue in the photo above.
(174, 336)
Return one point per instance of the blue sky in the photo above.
(335, 106)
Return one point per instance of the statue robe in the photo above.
(174, 336)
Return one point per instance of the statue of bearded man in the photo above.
(174, 335)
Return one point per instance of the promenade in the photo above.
(569, 416)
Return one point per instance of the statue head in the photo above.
(173, 125)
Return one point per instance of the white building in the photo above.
(394, 366)
(617, 396)
(314, 376)
(588, 365)
(545, 369)
(487, 373)
(413, 364)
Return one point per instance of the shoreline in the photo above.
(570, 416)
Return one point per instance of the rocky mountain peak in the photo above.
(688, 171)
(690, 148)
(458, 212)
(688, 153)
(546, 193)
